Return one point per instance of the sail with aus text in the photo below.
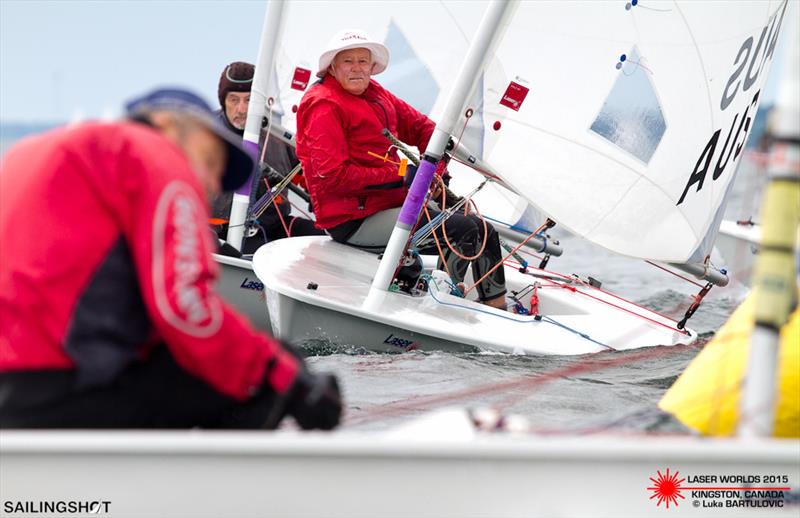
(634, 117)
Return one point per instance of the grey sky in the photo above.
(67, 59)
(61, 59)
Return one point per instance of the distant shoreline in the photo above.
(15, 130)
(10, 132)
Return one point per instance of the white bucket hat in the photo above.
(354, 39)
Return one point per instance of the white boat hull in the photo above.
(239, 285)
(738, 245)
(319, 289)
(434, 469)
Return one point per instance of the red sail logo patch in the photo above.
(514, 96)
(300, 78)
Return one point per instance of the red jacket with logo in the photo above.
(106, 252)
(335, 132)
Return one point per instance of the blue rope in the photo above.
(259, 204)
(515, 227)
(582, 335)
(512, 227)
(454, 289)
(426, 228)
(474, 309)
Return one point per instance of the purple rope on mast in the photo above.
(416, 194)
(252, 148)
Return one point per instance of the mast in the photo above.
(489, 32)
(775, 278)
(270, 36)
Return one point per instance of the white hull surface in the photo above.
(439, 466)
(238, 284)
(318, 289)
(738, 245)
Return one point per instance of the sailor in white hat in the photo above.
(352, 57)
(350, 168)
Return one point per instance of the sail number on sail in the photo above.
(753, 60)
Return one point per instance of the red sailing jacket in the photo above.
(335, 132)
(106, 252)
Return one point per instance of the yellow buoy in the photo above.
(706, 396)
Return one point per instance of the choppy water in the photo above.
(618, 389)
(585, 393)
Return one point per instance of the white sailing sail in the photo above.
(425, 60)
(625, 123)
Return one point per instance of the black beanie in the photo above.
(237, 77)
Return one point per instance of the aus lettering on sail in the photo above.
(748, 66)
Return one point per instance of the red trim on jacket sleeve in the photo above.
(172, 249)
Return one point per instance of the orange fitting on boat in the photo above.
(384, 158)
(403, 167)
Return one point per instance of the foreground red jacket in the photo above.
(335, 132)
(106, 252)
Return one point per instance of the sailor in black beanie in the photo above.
(235, 84)
(276, 222)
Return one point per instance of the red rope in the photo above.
(275, 206)
(301, 211)
(576, 279)
(447, 240)
(438, 246)
(571, 288)
(501, 261)
(523, 384)
(675, 274)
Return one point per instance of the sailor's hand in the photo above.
(273, 177)
(436, 189)
(315, 401)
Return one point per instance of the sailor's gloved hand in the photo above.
(436, 189)
(272, 176)
(315, 401)
(411, 172)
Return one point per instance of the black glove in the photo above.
(314, 400)
(272, 176)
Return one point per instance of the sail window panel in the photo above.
(631, 117)
(589, 132)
